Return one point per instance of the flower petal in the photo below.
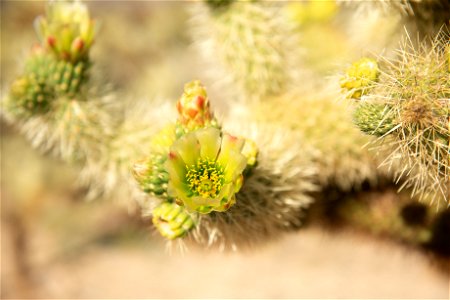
(229, 143)
(234, 164)
(188, 147)
(209, 139)
(200, 201)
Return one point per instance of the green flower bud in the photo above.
(150, 172)
(152, 176)
(172, 220)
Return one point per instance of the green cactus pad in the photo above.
(374, 119)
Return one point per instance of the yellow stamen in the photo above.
(205, 178)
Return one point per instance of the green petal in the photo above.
(209, 139)
(229, 143)
(234, 164)
(188, 147)
(175, 165)
(177, 187)
(193, 203)
(226, 191)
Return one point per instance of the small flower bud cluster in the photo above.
(360, 77)
(194, 109)
(67, 30)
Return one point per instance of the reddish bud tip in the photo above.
(172, 155)
(232, 138)
(192, 112)
(78, 44)
(65, 55)
(37, 49)
(200, 101)
(51, 41)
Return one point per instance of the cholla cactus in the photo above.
(217, 181)
(409, 110)
(52, 101)
(374, 119)
(250, 45)
(31, 93)
(108, 174)
(326, 125)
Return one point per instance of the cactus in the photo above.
(251, 178)
(388, 214)
(50, 99)
(326, 126)
(249, 42)
(424, 16)
(374, 119)
(139, 129)
(413, 104)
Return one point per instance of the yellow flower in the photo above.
(205, 170)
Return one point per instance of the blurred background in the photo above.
(55, 244)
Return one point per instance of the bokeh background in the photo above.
(55, 244)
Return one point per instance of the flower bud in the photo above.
(172, 220)
(360, 77)
(66, 30)
(193, 107)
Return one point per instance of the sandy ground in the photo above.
(307, 264)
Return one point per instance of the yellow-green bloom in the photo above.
(171, 220)
(67, 30)
(205, 170)
(193, 107)
(360, 77)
